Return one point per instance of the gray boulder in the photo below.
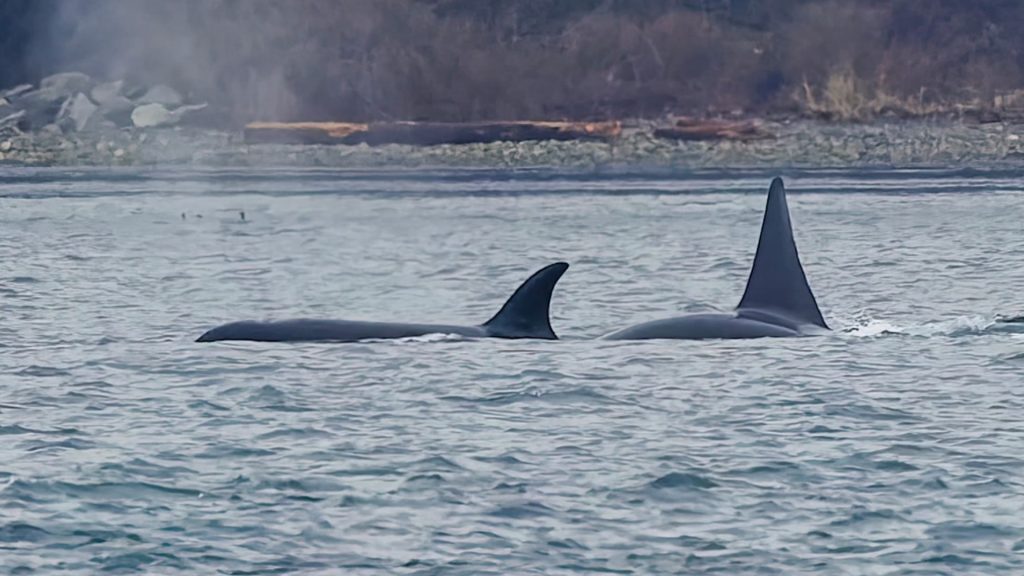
(11, 93)
(106, 92)
(155, 115)
(162, 94)
(76, 112)
(10, 118)
(151, 116)
(133, 90)
(117, 110)
(66, 84)
(40, 108)
(44, 104)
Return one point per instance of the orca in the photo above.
(777, 300)
(524, 315)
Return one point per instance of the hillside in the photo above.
(460, 60)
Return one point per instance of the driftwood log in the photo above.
(694, 129)
(426, 133)
(301, 132)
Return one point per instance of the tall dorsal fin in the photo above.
(526, 313)
(777, 284)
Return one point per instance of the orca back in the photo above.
(777, 284)
(526, 314)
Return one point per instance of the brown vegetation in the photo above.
(472, 60)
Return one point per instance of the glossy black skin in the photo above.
(703, 327)
(524, 315)
(777, 302)
(312, 330)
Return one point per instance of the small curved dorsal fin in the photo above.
(526, 313)
(777, 283)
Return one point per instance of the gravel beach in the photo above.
(800, 143)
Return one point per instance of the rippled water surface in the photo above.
(894, 445)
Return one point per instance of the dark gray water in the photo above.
(894, 445)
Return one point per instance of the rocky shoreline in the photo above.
(801, 144)
(71, 120)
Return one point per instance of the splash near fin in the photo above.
(777, 284)
(526, 313)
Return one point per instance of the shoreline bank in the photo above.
(796, 143)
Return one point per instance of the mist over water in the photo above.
(211, 50)
(890, 446)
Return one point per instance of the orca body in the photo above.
(777, 302)
(524, 315)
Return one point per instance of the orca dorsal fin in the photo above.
(777, 284)
(526, 313)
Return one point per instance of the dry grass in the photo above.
(842, 98)
(846, 98)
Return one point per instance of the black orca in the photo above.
(524, 315)
(777, 301)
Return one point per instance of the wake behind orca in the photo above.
(777, 301)
(524, 315)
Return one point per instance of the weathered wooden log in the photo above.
(693, 129)
(427, 133)
(300, 132)
(433, 133)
